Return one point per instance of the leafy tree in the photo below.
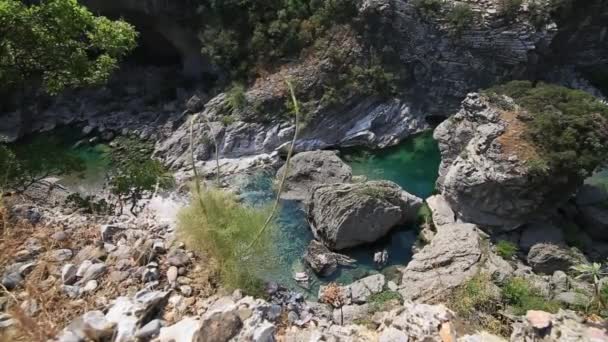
(59, 44)
(26, 164)
(133, 180)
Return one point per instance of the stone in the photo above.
(221, 327)
(589, 195)
(565, 325)
(362, 289)
(128, 313)
(540, 232)
(548, 258)
(68, 274)
(308, 169)
(93, 272)
(6, 321)
(90, 286)
(481, 175)
(559, 281)
(82, 269)
(441, 211)
(392, 335)
(188, 329)
(172, 273)
(348, 215)
(539, 320)
(452, 258)
(178, 258)
(349, 314)
(108, 231)
(264, 332)
(323, 261)
(11, 280)
(71, 291)
(92, 325)
(60, 255)
(186, 290)
(59, 236)
(573, 299)
(149, 330)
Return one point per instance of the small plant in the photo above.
(593, 272)
(428, 8)
(378, 300)
(235, 97)
(89, 204)
(521, 296)
(509, 8)
(424, 214)
(332, 295)
(506, 249)
(460, 17)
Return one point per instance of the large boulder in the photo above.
(548, 258)
(485, 174)
(540, 232)
(452, 258)
(308, 169)
(348, 215)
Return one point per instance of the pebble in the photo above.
(94, 272)
(82, 269)
(184, 280)
(149, 330)
(59, 236)
(150, 274)
(178, 258)
(186, 290)
(172, 274)
(90, 286)
(25, 269)
(60, 255)
(71, 291)
(11, 280)
(6, 320)
(68, 274)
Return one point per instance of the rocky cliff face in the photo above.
(485, 174)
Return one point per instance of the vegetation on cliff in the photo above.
(568, 127)
(58, 44)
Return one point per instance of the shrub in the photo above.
(568, 127)
(510, 8)
(424, 214)
(521, 296)
(235, 97)
(506, 249)
(378, 301)
(428, 8)
(460, 17)
(217, 225)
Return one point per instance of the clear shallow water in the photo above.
(97, 163)
(412, 164)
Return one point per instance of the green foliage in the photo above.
(460, 17)
(235, 97)
(510, 8)
(216, 224)
(521, 296)
(568, 127)
(27, 163)
(89, 204)
(424, 214)
(506, 249)
(132, 180)
(267, 31)
(59, 43)
(378, 301)
(594, 272)
(428, 8)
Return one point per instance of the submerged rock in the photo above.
(323, 261)
(308, 169)
(348, 215)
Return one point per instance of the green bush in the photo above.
(510, 8)
(521, 296)
(216, 225)
(460, 17)
(424, 214)
(506, 249)
(235, 97)
(428, 8)
(568, 127)
(379, 300)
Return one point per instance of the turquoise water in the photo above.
(412, 164)
(97, 163)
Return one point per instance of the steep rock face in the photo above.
(347, 215)
(484, 174)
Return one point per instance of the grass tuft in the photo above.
(216, 225)
(506, 249)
